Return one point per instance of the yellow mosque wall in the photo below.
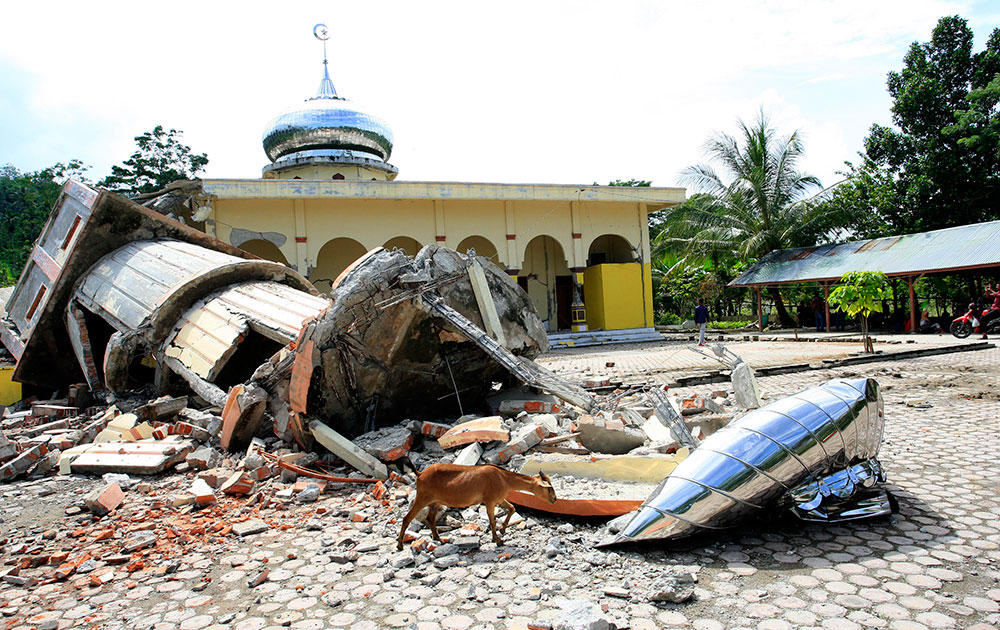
(543, 234)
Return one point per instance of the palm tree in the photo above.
(760, 202)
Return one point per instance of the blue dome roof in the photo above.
(327, 125)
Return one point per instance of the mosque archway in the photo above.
(405, 243)
(264, 249)
(546, 277)
(333, 258)
(483, 247)
(609, 248)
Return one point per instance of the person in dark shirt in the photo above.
(701, 318)
(819, 307)
(994, 312)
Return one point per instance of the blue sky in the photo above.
(555, 92)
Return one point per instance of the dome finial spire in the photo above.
(326, 89)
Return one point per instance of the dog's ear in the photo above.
(544, 477)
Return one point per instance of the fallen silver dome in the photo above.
(813, 452)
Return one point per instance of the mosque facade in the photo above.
(329, 194)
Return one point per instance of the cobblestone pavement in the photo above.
(934, 565)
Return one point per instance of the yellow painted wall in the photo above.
(614, 296)
(10, 392)
(309, 214)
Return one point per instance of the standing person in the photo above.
(819, 306)
(987, 318)
(701, 318)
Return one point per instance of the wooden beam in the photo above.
(760, 314)
(826, 305)
(914, 321)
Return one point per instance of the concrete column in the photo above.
(645, 257)
(579, 257)
(440, 235)
(513, 260)
(301, 244)
(914, 318)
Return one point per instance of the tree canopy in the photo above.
(25, 202)
(758, 202)
(939, 165)
(27, 198)
(160, 158)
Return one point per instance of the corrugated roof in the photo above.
(951, 249)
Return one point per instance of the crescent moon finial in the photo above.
(320, 32)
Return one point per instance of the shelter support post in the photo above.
(826, 306)
(914, 321)
(760, 314)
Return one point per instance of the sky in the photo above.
(519, 92)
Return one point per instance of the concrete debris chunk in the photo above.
(674, 587)
(580, 614)
(105, 499)
(745, 388)
(608, 436)
(161, 408)
(249, 528)
(203, 458)
(488, 429)
(388, 444)
(522, 441)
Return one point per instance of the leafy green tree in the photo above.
(160, 158)
(759, 202)
(25, 202)
(861, 293)
(939, 166)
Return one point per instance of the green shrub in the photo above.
(728, 325)
(668, 319)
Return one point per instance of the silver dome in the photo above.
(330, 124)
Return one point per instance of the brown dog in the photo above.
(456, 486)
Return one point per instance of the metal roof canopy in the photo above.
(962, 248)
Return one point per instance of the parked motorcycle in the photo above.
(965, 325)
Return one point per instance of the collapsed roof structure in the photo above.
(141, 298)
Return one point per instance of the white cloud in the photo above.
(569, 92)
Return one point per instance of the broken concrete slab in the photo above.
(7, 449)
(608, 436)
(162, 408)
(137, 458)
(242, 416)
(388, 444)
(347, 451)
(21, 464)
(249, 528)
(522, 441)
(489, 429)
(614, 468)
(238, 484)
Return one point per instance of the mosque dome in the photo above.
(328, 128)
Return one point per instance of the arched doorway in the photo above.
(265, 249)
(546, 277)
(609, 248)
(333, 258)
(405, 243)
(483, 247)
